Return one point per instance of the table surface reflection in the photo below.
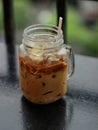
(78, 110)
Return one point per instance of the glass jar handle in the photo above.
(71, 61)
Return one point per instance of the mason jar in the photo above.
(45, 64)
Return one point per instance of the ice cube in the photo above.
(62, 51)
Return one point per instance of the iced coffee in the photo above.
(43, 65)
(43, 81)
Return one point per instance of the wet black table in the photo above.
(78, 110)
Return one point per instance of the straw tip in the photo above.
(60, 18)
(60, 25)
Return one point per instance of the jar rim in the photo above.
(47, 30)
(41, 26)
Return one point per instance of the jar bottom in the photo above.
(45, 101)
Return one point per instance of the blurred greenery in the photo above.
(22, 13)
(77, 33)
(1, 18)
